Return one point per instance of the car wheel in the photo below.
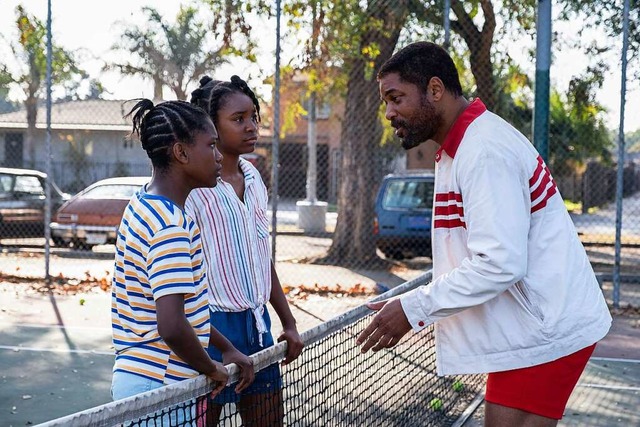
(392, 254)
(82, 245)
(59, 242)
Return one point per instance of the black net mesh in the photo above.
(330, 384)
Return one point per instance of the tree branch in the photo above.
(467, 28)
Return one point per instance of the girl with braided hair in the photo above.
(235, 239)
(160, 316)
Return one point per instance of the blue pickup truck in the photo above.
(403, 211)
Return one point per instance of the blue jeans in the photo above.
(126, 384)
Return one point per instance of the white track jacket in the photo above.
(513, 285)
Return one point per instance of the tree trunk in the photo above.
(482, 69)
(361, 172)
(479, 43)
(31, 105)
(157, 89)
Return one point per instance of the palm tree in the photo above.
(32, 53)
(172, 55)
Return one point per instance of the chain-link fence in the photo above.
(333, 147)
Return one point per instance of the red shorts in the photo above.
(541, 389)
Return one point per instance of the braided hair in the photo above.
(212, 94)
(160, 126)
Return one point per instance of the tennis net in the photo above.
(330, 384)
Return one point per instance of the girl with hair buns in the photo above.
(235, 238)
(160, 315)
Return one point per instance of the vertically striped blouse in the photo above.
(235, 238)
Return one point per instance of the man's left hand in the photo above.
(387, 327)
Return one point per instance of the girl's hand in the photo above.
(220, 375)
(294, 344)
(244, 363)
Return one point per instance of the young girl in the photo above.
(235, 238)
(160, 314)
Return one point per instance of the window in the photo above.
(322, 109)
(408, 194)
(112, 191)
(29, 185)
(6, 183)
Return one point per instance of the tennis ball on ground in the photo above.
(458, 386)
(435, 404)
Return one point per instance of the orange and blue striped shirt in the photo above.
(158, 253)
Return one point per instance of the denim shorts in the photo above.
(240, 329)
(126, 384)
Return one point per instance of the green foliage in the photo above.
(31, 50)
(514, 97)
(632, 141)
(577, 130)
(5, 80)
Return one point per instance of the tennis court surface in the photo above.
(332, 383)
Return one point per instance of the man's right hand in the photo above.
(387, 327)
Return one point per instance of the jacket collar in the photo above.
(455, 134)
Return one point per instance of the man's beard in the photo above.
(420, 127)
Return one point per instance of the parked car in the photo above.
(92, 216)
(22, 202)
(403, 212)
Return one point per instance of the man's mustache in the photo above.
(398, 124)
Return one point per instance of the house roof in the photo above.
(91, 114)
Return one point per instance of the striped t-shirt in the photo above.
(235, 236)
(158, 253)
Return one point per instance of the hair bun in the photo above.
(196, 95)
(238, 82)
(204, 80)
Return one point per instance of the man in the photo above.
(514, 294)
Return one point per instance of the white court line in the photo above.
(35, 325)
(55, 350)
(613, 359)
(610, 387)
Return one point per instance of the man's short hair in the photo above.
(418, 62)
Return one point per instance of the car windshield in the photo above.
(112, 191)
(6, 183)
(408, 194)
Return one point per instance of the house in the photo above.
(293, 143)
(89, 142)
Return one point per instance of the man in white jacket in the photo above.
(514, 294)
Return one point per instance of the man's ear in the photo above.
(435, 89)
(180, 152)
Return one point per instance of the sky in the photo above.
(93, 27)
